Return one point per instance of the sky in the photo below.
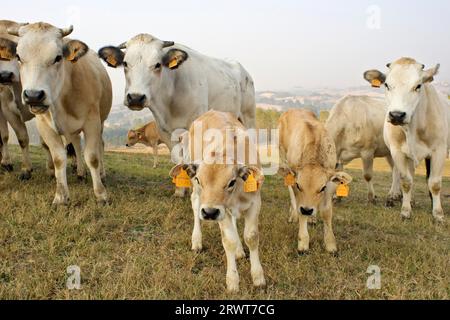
(284, 44)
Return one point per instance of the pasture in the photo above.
(138, 247)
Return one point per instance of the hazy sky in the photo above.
(283, 44)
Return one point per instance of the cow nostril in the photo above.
(34, 96)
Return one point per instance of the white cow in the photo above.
(356, 126)
(416, 126)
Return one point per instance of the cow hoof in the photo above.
(103, 202)
(197, 247)
(25, 176)
(390, 203)
(8, 167)
(302, 253)
(438, 217)
(233, 288)
(259, 281)
(405, 214)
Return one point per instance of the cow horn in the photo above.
(66, 31)
(122, 45)
(23, 24)
(168, 44)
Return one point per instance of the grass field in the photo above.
(138, 247)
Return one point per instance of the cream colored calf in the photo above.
(147, 135)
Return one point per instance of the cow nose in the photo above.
(306, 211)
(6, 77)
(34, 96)
(136, 99)
(210, 213)
(397, 117)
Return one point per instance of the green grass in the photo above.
(139, 246)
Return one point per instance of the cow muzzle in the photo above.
(397, 118)
(307, 211)
(35, 99)
(6, 77)
(136, 102)
(212, 213)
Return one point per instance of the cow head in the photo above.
(42, 53)
(404, 85)
(313, 184)
(220, 186)
(9, 66)
(145, 60)
(133, 137)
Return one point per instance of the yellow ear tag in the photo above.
(376, 83)
(343, 190)
(111, 60)
(289, 180)
(250, 185)
(183, 180)
(173, 63)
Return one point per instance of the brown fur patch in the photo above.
(94, 162)
(57, 163)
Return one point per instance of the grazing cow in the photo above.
(69, 92)
(310, 173)
(179, 84)
(147, 135)
(416, 126)
(356, 126)
(12, 110)
(225, 188)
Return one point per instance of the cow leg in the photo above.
(251, 237)
(58, 153)
(395, 193)
(92, 156)
(328, 237)
(50, 165)
(368, 175)
(240, 253)
(197, 231)
(230, 240)
(102, 160)
(293, 215)
(76, 142)
(435, 181)
(155, 155)
(406, 168)
(6, 158)
(303, 235)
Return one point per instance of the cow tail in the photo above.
(428, 166)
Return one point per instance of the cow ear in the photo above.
(375, 78)
(285, 171)
(74, 50)
(174, 58)
(191, 170)
(428, 75)
(245, 171)
(7, 49)
(113, 56)
(341, 178)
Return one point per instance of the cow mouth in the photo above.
(135, 108)
(6, 82)
(38, 109)
(397, 123)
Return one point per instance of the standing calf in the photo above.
(147, 135)
(310, 173)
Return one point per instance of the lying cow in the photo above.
(179, 84)
(356, 126)
(416, 126)
(222, 190)
(12, 110)
(310, 174)
(147, 135)
(69, 91)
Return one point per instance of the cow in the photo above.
(179, 84)
(223, 190)
(356, 125)
(12, 110)
(309, 157)
(416, 126)
(147, 135)
(69, 92)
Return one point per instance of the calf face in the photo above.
(313, 184)
(42, 52)
(9, 65)
(403, 84)
(144, 60)
(133, 137)
(221, 186)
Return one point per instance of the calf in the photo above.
(310, 173)
(416, 126)
(356, 126)
(147, 135)
(69, 91)
(225, 189)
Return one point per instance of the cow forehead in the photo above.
(312, 177)
(404, 74)
(215, 174)
(143, 51)
(39, 45)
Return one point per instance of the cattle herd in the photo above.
(63, 85)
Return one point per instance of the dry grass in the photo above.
(138, 247)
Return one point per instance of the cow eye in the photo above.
(323, 189)
(232, 184)
(125, 64)
(18, 58)
(387, 87)
(57, 59)
(158, 66)
(298, 187)
(196, 180)
(418, 87)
